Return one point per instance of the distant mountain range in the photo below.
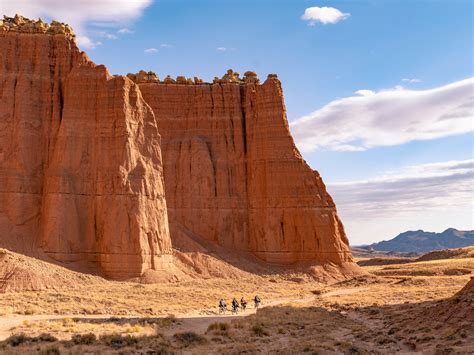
(421, 242)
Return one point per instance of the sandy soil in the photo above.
(392, 309)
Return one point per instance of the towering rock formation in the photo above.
(82, 178)
(233, 175)
(80, 162)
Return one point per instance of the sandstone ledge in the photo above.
(24, 25)
(231, 77)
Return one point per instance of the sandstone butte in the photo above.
(112, 172)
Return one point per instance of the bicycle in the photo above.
(222, 309)
(235, 310)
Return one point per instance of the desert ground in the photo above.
(420, 306)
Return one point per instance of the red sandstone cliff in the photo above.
(80, 160)
(233, 175)
(81, 175)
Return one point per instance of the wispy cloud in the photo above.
(437, 195)
(221, 49)
(411, 189)
(364, 92)
(387, 117)
(412, 80)
(150, 50)
(80, 14)
(325, 15)
(107, 35)
(166, 45)
(125, 31)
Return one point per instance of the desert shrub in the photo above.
(29, 311)
(87, 339)
(68, 322)
(218, 326)
(189, 338)
(169, 320)
(45, 337)
(237, 324)
(133, 329)
(118, 341)
(53, 350)
(259, 331)
(18, 339)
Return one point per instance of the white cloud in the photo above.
(221, 49)
(412, 81)
(86, 42)
(150, 50)
(365, 92)
(388, 117)
(80, 14)
(325, 15)
(166, 45)
(429, 196)
(125, 31)
(107, 35)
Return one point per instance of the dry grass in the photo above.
(385, 311)
(63, 328)
(122, 298)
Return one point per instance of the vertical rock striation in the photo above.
(292, 218)
(233, 175)
(82, 179)
(80, 162)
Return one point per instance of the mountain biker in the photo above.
(257, 301)
(222, 304)
(235, 305)
(243, 303)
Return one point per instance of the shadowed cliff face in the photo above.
(80, 160)
(233, 175)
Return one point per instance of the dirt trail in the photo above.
(197, 321)
(343, 291)
(193, 321)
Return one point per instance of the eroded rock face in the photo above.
(80, 161)
(82, 179)
(234, 177)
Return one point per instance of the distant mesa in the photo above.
(421, 242)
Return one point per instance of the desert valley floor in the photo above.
(413, 306)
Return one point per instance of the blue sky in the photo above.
(374, 47)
